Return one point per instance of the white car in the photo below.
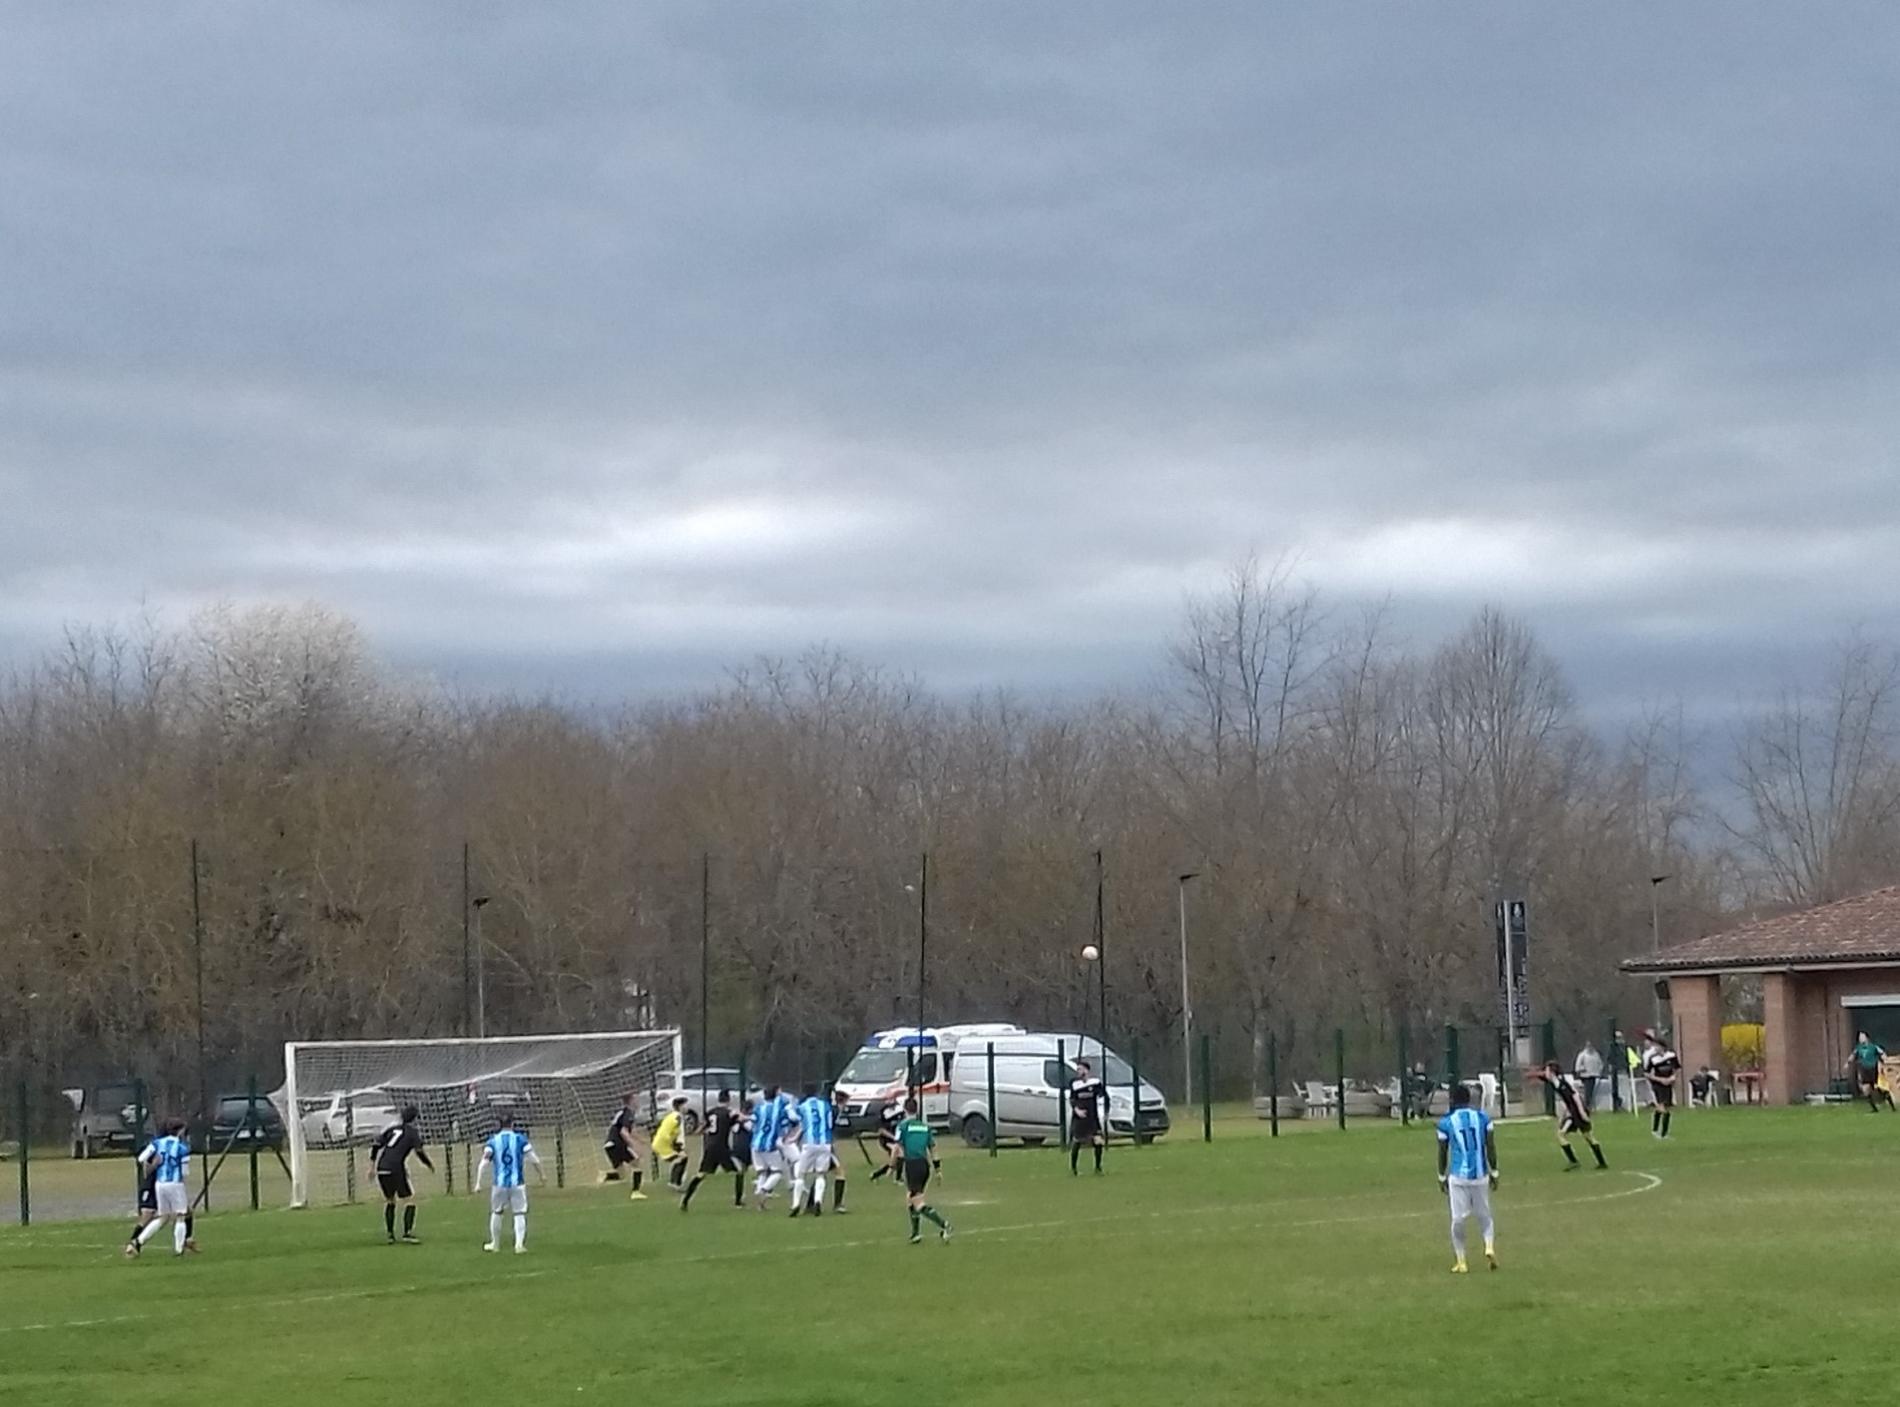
(349, 1118)
(701, 1089)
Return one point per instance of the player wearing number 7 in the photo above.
(509, 1153)
(1468, 1170)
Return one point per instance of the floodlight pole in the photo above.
(1187, 1008)
(479, 903)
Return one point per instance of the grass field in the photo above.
(1748, 1260)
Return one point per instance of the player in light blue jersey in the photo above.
(167, 1159)
(773, 1122)
(814, 1152)
(510, 1155)
(1468, 1170)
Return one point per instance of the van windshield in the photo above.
(887, 1067)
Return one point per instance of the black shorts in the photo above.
(1664, 1095)
(1869, 1079)
(715, 1157)
(395, 1185)
(1084, 1130)
(148, 1196)
(1566, 1124)
(916, 1175)
(619, 1155)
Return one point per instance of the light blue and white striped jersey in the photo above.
(170, 1157)
(508, 1151)
(769, 1121)
(1465, 1130)
(814, 1118)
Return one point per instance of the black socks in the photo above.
(409, 1220)
(1098, 1157)
(1570, 1155)
(389, 1219)
(1665, 1123)
(837, 1195)
(1075, 1157)
(637, 1175)
(1597, 1148)
(929, 1213)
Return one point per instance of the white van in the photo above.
(1033, 1071)
(890, 1062)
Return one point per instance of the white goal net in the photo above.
(562, 1090)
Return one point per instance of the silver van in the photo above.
(1033, 1072)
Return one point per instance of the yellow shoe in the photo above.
(636, 1196)
(1461, 1269)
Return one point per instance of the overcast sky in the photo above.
(597, 347)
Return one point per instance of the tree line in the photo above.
(1351, 804)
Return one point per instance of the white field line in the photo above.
(1017, 1230)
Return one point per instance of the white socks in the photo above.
(521, 1230)
(178, 1236)
(494, 1228)
(151, 1229)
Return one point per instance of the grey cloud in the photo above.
(1037, 315)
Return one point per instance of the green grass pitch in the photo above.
(1746, 1261)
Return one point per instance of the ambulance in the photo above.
(891, 1062)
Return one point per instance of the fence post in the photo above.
(349, 1143)
(1339, 1071)
(1134, 1079)
(1207, 1090)
(989, 1061)
(26, 1145)
(1613, 1051)
(1405, 1081)
(1062, 1096)
(1273, 1084)
(1550, 1054)
(251, 1126)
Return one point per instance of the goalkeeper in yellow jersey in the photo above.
(669, 1144)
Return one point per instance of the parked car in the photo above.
(1033, 1073)
(106, 1118)
(701, 1089)
(238, 1124)
(352, 1118)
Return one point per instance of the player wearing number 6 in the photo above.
(509, 1153)
(1468, 1170)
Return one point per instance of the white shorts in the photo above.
(768, 1160)
(174, 1199)
(1469, 1199)
(508, 1199)
(815, 1160)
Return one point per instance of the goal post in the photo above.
(562, 1091)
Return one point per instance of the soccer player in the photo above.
(623, 1148)
(1572, 1114)
(1661, 1067)
(1468, 1171)
(888, 1119)
(814, 1152)
(771, 1126)
(919, 1148)
(169, 1159)
(509, 1153)
(1865, 1063)
(715, 1151)
(148, 1203)
(838, 1102)
(1088, 1116)
(390, 1153)
(669, 1143)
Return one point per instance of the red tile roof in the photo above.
(1863, 929)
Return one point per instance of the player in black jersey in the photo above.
(715, 1151)
(390, 1153)
(625, 1147)
(1662, 1067)
(1088, 1116)
(148, 1203)
(887, 1121)
(1573, 1116)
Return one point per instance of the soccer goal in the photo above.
(562, 1090)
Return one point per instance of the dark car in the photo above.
(239, 1124)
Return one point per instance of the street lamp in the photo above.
(479, 903)
(1655, 945)
(1187, 1007)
